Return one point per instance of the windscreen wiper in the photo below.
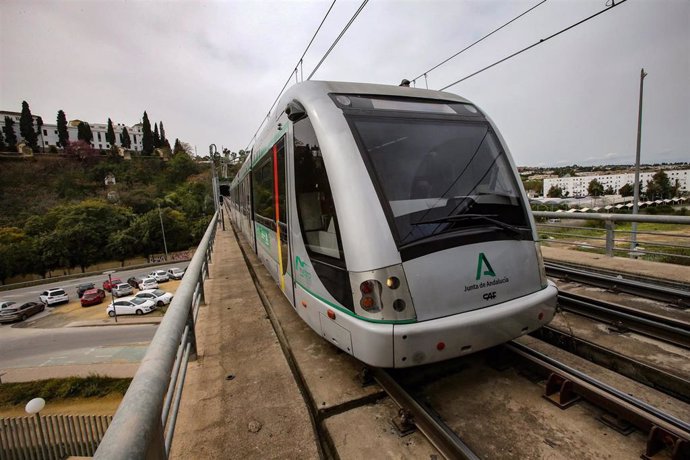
(485, 217)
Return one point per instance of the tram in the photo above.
(394, 221)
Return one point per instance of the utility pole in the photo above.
(165, 245)
(636, 193)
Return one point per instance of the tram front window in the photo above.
(441, 177)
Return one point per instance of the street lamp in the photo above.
(112, 296)
(165, 245)
(35, 406)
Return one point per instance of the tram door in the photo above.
(271, 215)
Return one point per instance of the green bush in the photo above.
(12, 394)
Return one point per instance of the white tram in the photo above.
(394, 221)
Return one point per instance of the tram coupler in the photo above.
(366, 377)
(404, 423)
(559, 391)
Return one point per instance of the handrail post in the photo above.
(191, 337)
(610, 237)
(156, 450)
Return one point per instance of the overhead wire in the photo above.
(342, 32)
(543, 40)
(424, 74)
(294, 72)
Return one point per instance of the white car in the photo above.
(53, 296)
(6, 304)
(158, 296)
(130, 306)
(160, 275)
(148, 283)
(175, 273)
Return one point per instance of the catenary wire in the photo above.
(534, 44)
(423, 74)
(294, 71)
(359, 10)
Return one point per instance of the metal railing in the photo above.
(668, 246)
(51, 437)
(144, 423)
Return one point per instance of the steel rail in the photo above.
(642, 415)
(656, 326)
(671, 293)
(438, 433)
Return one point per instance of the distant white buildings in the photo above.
(48, 135)
(577, 186)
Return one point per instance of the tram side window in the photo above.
(264, 204)
(317, 217)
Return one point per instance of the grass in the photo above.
(55, 390)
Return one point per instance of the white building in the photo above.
(577, 186)
(48, 135)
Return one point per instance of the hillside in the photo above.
(57, 211)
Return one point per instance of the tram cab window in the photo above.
(317, 216)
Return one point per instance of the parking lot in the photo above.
(72, 313)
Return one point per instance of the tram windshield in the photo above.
(441, 177)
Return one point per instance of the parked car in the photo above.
(175, 273)
(130, 306)
(92, 297)
(158, 296)
(135, 280)
(20, 312)
(54, 296)
(122, 289)
(6, 304)
(82, 288)
(109, 283)
(148, 283)
(161, 276)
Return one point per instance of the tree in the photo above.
(659, 187)
(164, 141)
(627, 190)
(10, 136)
(2, 141)
(110, 134)
(84, 132)
(26, 127)
(609, 190)
(125, 141)
(156, 137)
(555, 192)
(39, 125)
(63, 134)
(147, 136)
(595, 188)
(81, 149)
(178, 147)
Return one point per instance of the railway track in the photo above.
(625, 318)
(676, 294)
(565, 385)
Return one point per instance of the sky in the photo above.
(211, 70)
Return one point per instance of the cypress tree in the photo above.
(63, 134)
(156, 137)
(84, 132)
(147, 136)
(2, 141)
(39, 125)
(110, 134)
(164, 141)
(10, 136)
(125, 141)
(178, 146)
(26, 127)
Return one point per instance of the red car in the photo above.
(92, 297)
(108, 284)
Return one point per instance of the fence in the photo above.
(57, 437)
(668, 245)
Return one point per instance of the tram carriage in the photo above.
(394, 221)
